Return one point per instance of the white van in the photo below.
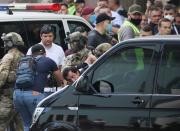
(28, 25)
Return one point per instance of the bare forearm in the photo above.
(58, 76)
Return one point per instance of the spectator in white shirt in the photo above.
(53, 51)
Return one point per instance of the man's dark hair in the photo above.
(163, 20)
(117, 2)
(146, 28)
(47, 29)
(155, 8)
(64, 4)
(66, 70)
(170, 7)
(56, 1)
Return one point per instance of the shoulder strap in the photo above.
(37, 58)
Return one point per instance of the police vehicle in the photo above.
(29, 22)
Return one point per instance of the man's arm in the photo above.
(4, 68)
(125, 33)
(58, 76)
(92, 40)
(61, 77)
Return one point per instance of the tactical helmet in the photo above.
(12, 39)
(77, 41)
(102, 48)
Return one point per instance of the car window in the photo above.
(128, 70)
(33, 31)
(169, 77)
(6, 27)
(74, 24)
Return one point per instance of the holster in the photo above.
(7, 90)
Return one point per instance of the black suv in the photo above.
(135, 86)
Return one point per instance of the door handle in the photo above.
(99, 122)
(138, 101)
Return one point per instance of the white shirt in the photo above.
(55, 52)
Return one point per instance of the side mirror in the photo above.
(103, 87)
(82, 84)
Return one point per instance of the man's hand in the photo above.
(90, 59)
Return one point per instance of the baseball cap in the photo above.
(87, 10)
(37, 48)
(79, 1)
(102, 17)
(135, 9)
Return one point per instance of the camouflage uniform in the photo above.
(78, 44)
(8, 67)
(76, 58)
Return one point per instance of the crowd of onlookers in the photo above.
(155, 11)
(113, 24)
(157, 19)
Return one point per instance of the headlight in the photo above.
(37, 113)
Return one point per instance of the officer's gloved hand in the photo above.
(91, 48)
(90, 59)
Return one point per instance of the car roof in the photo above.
(160, 39)
(157, 38)
(34, 15)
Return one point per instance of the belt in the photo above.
(52, 89)
(24, 89)
(34, 93)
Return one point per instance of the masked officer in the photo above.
(78, 44)
(13, 43)
(130, 27)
